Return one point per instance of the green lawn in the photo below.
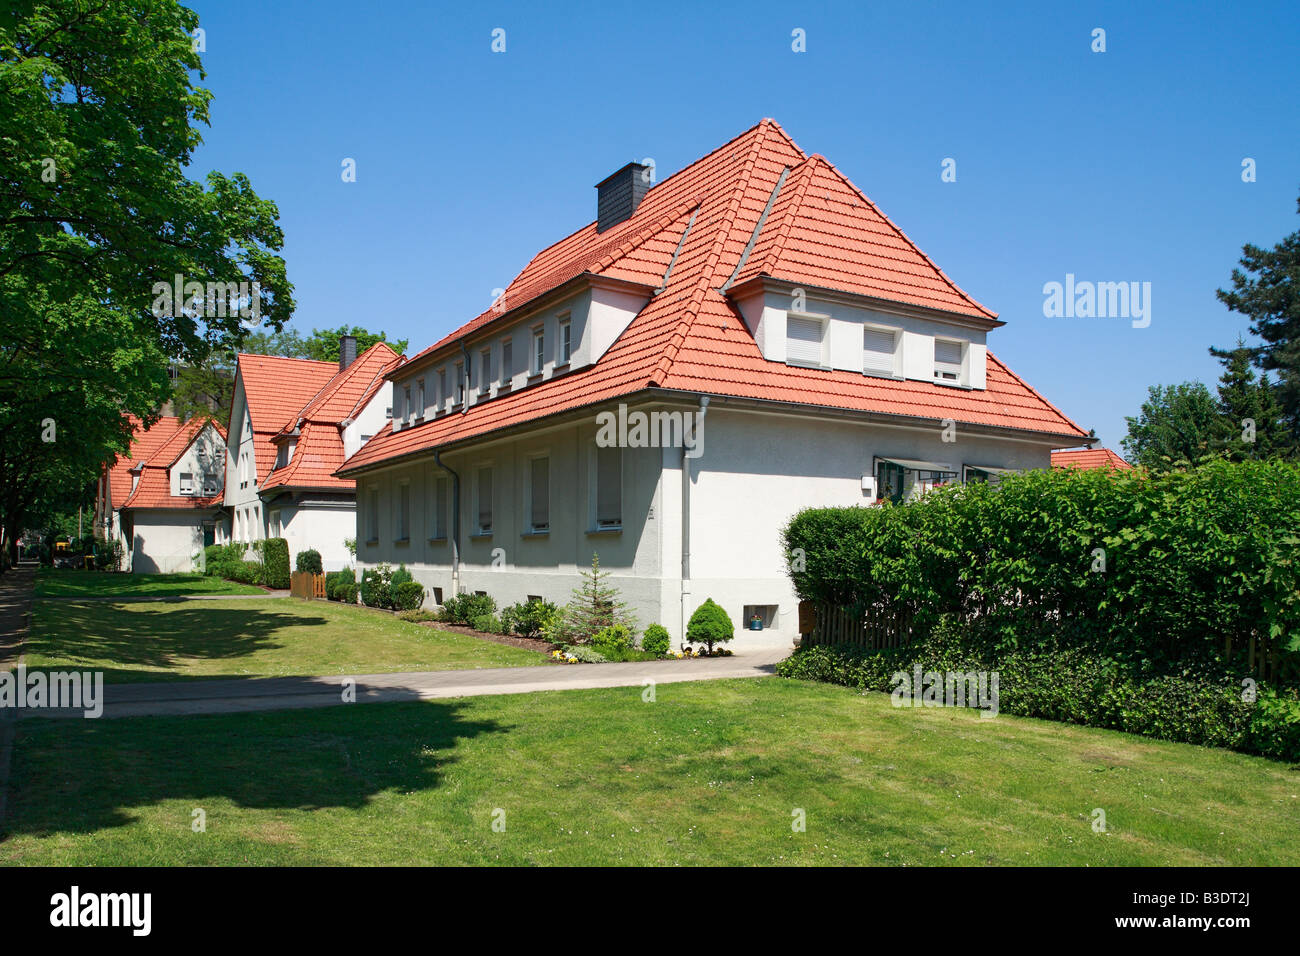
(67, 583)
(710, 773)
(272, 637)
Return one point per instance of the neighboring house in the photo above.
(756, 299)
(161, 501)
(294, 421)
(1088, 458)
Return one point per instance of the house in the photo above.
(670, 383)
(1088, 458)
(161, 499)
(294, 421)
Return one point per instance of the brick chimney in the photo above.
(347, 351)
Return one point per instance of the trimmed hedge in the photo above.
(464, 608)
(340, 584)
(308, 560)
(710, 625)
(407, 595)
(1158, 572)
(655, 640)
(275, 563)
(1070, 686)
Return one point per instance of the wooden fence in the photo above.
(306, 585)
(875, 628)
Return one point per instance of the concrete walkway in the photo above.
(286, 693)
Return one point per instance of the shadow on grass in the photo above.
(83, 635)
(72, 777)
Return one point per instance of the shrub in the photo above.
(347, 591)
(416, 616)
(710, 625)
(615, 638)
(488, 623)
(308, 560)
(376, 586)
(408, 595)
(527, 619)
(463, 608)
(275, 562)
(588, 655)
(1070, 686)
(401, 576)
(218, 559)
(334, 580)
(655, 640)
(1158, 572)
(245, 572)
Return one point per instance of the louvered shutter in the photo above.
(877, 351)
(803, 340)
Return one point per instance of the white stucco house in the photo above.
(292, 423)
(669, 384)
(161, 500)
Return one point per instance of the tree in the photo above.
(594, 606)
(1175, 426)
(323, 344)
(710, 625)
(1250, 420)
(1266, 289)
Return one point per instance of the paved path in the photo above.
(285, 693)
(15, 612)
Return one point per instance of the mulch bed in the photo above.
(527, 643)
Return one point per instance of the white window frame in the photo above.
(419, 400)
(824, 322)
(596, 523)
(537, 361)
(507, 360)
(480, 529)
(564, 340)
(186, 482)
(942, 370)
(484, 370)
(533, 526)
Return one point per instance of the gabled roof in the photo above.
(153, 490)
(690, 337)
(1088, 458)
(317, 417)
(144, 443)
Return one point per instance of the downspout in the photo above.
(686, 516)
(455, 521)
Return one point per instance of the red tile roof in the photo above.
(1088, 458)
(153, 490)
(277, 394)
(690, 337)
(144, 443)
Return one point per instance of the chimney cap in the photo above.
(634, 165)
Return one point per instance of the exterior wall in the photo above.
(246, 514)
(316, 523)
(756, 470)
(204, 459)
(166, 542)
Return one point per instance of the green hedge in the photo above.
(1194, 562)
(308, 560)
(1071, 686)
(465, 608)
(407, 595)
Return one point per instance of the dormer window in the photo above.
(539, 350)
(442, 388)
(805, 340)
(878, 351)
(460, 382)
(566, 340)
(419, 400)
(507, 363)
(187, 483)
(947, 360)
(406, 405)
(485, 371)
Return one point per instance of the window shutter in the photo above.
(485, 499)
(609, 486)
(803, 340)
(947, 353)
(877, 350)
(541, 493)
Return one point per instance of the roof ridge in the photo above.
(706, 279)
(915, 248)
(1006, 368)
(787, 219)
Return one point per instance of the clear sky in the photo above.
(1117, 166)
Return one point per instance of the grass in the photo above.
(709, 773)
(272, 637)
(66, 583)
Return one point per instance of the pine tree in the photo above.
(1250, 419)
(594, 605)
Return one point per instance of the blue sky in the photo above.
(1115, 166)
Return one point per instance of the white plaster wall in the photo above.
(322, 526)
(166, 542)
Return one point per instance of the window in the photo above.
(419, 400)
(460, 382)
(507, 363)
(539, 351)
(609, 487)
(438, 510)
(539, 494)
(566, 340)
(273, 525)
(803, 340)
(211, 484)
(187, 483)
(406, 405)
(878, 351)
(485, 371)
(947, 360)
(485, 500)
(372, 514)
(442, 388)
(890, 481)
(404, 511)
